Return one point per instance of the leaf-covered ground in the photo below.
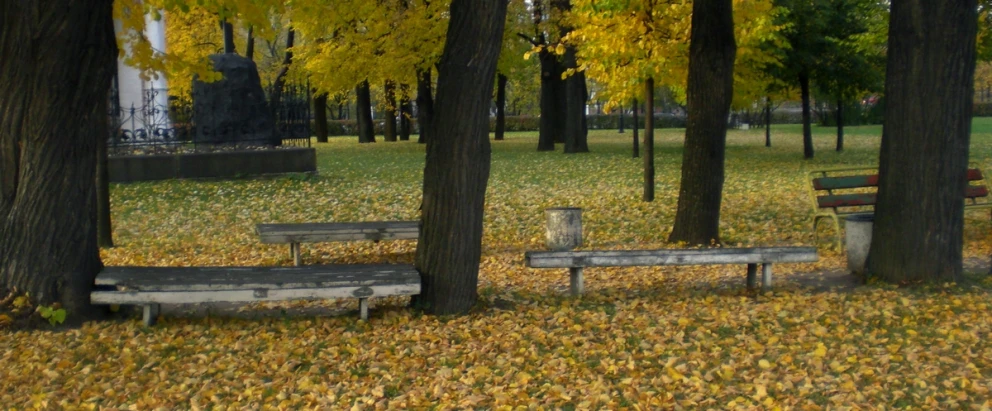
(640, 338)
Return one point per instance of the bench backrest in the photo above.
(855, 190)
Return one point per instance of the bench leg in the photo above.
(150, 314)
(752, 280)
(766, 276)
(294, 250)
(363, 308)
(575, 281)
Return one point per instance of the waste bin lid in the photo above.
(860, 218)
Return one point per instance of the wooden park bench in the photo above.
(575, 261)
(296, 233)
(844, 191)
(152, 286)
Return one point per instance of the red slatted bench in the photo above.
(852, 190)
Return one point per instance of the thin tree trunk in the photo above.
(425, 105)
(58, 60)
(807, 128)
(104, 228)
(280, 82)
(406, 112)
(320, 117)
(500, 106)
(712, 50)
(458, 159)
(768, 122)
(637, 151)
(620, 119)
(228, 30)
(250, 46)
(929, 82)
(363, 108)
(648, 194)
(389, 129)
(840, 124)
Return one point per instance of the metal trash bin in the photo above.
(857, 239)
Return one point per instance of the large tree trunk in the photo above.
(320, 117)
(500, 106)
(807, 127)
(840, 124)
(768, 123)
(637, 151)
(425, 105)
(58, 60)
(919, 217)
(576, 133)
(406, 113)
(710, 88)
(552, 127)
(389, 129)
(104, 227)
(363, 108)
(648, 194)
(458, 159)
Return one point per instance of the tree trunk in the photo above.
(919, 216)
(250, 46)
(552, 127)
(389, 130)
(637, 151)
(58, 60)
(363, 108)
(104, 227)
(425, 105)
(620, 119)
(228, 36)
(500, 106)
(320, 117)
(710, 89)
(768, 123)
(648, 194)
(576, 95)
(807, 128)
(280, 82)
(458, 159)
(406, 113)
(840, 124)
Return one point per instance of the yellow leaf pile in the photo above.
(640, 338)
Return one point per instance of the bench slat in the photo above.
(867, 199)
(319, 232)
(626, 258)
(251, 278)
(189, 297)
(868, 180)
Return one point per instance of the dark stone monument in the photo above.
(233, 110)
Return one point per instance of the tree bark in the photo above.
(634, 127)
(458, 159)
(576, 133)
(58, 60)
(104, 227)
(648, 194)
(807, 128)
(406, 113)
(389, 129)
(840, 124)
(363, 108)
(228, 30)
(425, 105)
(320, 117)
(500, 106)
(620, 119)
(712, 50)
(919, 216)
(250, 44)
(768, 123)
(552, 127)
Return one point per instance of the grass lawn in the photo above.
(642, 338)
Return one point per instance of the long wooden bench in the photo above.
(844, 191)
(152, 286)
(575, 261)
(296, 233)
